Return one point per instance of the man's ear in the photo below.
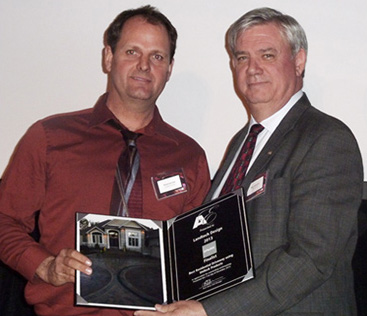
(107, 58)
(170, 68)
(300, 62)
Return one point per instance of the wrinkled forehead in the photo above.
(265, 34)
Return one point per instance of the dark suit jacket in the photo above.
(303, 228)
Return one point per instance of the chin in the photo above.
(141, 96)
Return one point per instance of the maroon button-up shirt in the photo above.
(66, 164)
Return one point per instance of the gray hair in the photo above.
(289, 27)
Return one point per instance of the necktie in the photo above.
(127, 190)
(239, 169)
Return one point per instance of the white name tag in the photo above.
(255, 186)
(169, 184)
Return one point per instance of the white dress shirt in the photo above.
(270, 124)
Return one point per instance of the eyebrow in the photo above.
(267, 50)
(262, 51)
(153, 51)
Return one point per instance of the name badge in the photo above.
(257, 187)
(169, 184)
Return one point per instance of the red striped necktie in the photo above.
(242, 162)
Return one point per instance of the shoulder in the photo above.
(319, 138)
(306, 121)
(183, 140)
(315, 123)
(64, 120)
(160, 127)
(51, 129)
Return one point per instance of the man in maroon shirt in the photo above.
(66, 164)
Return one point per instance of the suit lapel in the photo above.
(270, 148)
(274, 143)
(231, 151)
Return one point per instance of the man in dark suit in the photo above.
(303, 184)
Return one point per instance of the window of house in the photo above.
(97, 238)
(133, 239)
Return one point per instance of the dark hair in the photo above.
(152, 16)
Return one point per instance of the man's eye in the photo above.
(130, 52)
(268, 56)
(158, 57)
(241, 58)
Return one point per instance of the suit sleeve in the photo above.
(320, 198)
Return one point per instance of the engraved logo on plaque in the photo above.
(206, 217)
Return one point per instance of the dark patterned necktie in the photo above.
(127, 190)
(242, 162)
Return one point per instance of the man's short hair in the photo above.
(152, 16)
(289, 27)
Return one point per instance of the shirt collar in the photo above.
(158, 126)
(101, 114)
(272, 122)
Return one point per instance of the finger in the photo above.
(59, 267)
(73, 265)
(143, 313)
(80, 257)
(74, 260)
(165, 308)
(146, 313)
(59, 274)
(76, 255)
(160, 308)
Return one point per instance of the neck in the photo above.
(261, 111)
(132, 116)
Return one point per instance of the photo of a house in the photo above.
(126, 262)
(122, 234)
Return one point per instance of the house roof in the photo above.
(112, 224)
